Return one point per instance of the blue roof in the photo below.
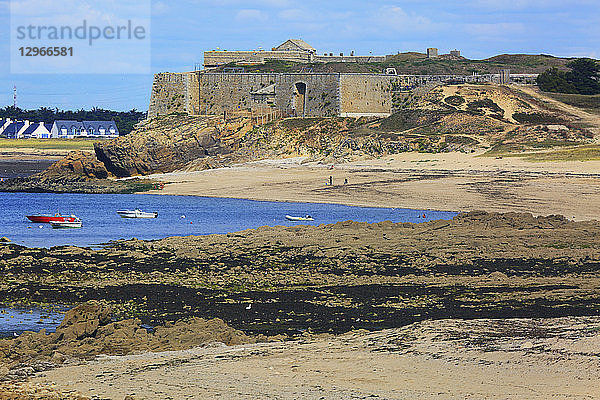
(31, 128)
(68, 124)
(12, 128)
(97, 125)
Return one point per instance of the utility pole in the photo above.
(15, 108)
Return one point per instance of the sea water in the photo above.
(177, 216)
(14, 321)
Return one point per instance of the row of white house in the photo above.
(61, 129)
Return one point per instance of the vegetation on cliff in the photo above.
(418, 63)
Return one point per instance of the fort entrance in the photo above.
(299, 100)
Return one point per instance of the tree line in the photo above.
(583, 78)
(125, 120)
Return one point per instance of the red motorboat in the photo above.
(46, 218)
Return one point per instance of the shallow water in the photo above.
(17, 321)
(177, 216)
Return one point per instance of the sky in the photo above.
(182, 30)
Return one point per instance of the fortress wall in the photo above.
(215, 58)
(349, 59)
(365, 94)
(169, 94)
(220, 92)
(327, 94)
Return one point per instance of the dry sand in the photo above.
(448, 181)
(446, 359)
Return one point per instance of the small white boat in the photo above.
(66, 224)
(137, 213)
(305, 218)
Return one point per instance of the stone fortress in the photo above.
(304, 94)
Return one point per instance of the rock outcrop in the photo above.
(78, 172)
(78, 164)
(87, 330)
(161, 145)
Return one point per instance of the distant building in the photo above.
(292, 50)
(58, 130)
(3, 123)
(432, 52)
(455, 53)
(15, 129)
(65, 129)
(295, 45)
(37, 130)
(504, 76)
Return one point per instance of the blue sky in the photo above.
(181, 31)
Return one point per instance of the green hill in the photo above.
(419, 64)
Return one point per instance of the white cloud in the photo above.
(251, 15)
(396, 19)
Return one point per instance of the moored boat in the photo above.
(66, 224)
(137, 213)
(47, 218)
(305, 218)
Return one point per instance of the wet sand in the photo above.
(448, 181)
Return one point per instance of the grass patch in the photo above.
(520, 149)
(47, 144)
(587, 103)
(503, 149)
(479, 107)
(300, 123)
(583, 153)
(537, 119)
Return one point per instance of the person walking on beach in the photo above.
(330, 180)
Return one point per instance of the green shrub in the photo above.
(455, 100)
(537, 118)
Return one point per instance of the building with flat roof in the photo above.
(293, 50)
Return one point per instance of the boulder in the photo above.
(77, 163)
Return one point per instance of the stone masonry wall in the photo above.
(215, 58)
(365, 95)
(326, 94)
(220, 92)
(169, 94)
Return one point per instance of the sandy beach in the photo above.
(445, 359)
(446, 181)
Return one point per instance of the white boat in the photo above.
(66, 224)
(305, 218)
(137, 213)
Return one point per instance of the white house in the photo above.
(3, 124)
(37, 130)
(15, 129)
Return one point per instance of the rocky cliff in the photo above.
(162, 145)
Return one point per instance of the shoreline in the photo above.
(480, 295)
(451, 181)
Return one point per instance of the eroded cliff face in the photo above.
(161, 145)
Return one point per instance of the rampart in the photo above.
(300, 94)
(216, 58)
